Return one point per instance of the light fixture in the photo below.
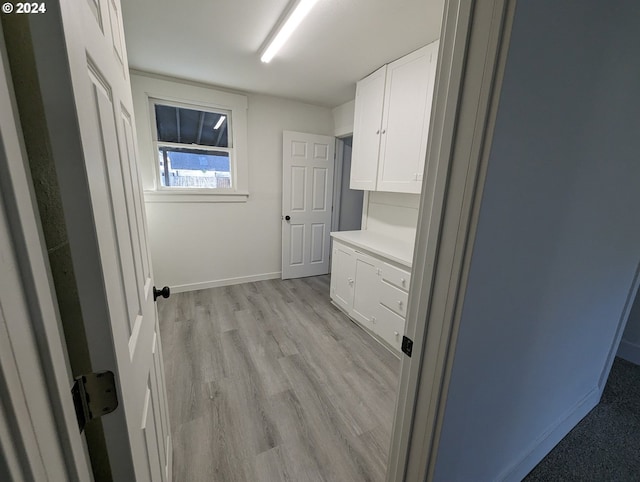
(220, 121)
(286, 28)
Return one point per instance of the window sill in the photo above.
(195, 197)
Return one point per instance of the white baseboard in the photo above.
(203, 285)
(550, 438)
(629, 351)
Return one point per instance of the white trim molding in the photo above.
(203, 285)
(472, 53)
(39, 436)
(550, 438)
(147, 87)
(629, 351)
(195, 197)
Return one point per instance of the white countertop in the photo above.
(388, 247)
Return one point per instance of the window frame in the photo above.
(153, 101)
(171, 91)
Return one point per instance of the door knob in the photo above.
(288, 218)
(164, 292)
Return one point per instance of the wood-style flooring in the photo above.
(268, 381)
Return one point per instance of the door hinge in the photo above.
(407, 346)
(94, 395)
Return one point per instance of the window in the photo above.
(168, 117)
(194, 146)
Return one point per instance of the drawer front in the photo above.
(393, 298)
(396, 276)
(390, 327)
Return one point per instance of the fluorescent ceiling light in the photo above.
(220, 121)
(287, 27)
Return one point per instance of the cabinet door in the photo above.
(390, 327)
(366, 131)
(343, 276)
(433, 48)
(366, 297)
(405, 125)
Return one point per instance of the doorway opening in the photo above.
(347, 202)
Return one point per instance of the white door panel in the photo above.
(307, 184)
(318, 244)
(137, 434)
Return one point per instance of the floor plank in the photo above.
(268, 381)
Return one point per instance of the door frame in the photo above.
(474, 42)
(473, 49)
(337, 183)
(35, 374)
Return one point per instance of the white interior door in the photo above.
(307, 186)
(39, 438)
(82, 64)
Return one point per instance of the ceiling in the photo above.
(218, 42)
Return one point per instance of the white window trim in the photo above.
(229, 150)
(147, 89)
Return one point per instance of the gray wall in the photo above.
(350, 200)
(630, 346)
(558, 241)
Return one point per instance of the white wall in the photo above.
(558, 240)
(393, 214)
(343, 116)
(197, 245)
(630, 345)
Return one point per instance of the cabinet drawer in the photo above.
(396, 276)
(393, 298)
(390, 327)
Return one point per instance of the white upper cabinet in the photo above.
(392, 113)
(367, 127)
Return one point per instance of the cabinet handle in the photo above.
(373, 319)
(350, 280)
(396, 333)
(400, 304)
(378, 132)
(402, 281)
(384, 131)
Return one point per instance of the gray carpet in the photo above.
(605, 445)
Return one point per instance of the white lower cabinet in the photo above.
(343, 273)
(394, 298)
(390, 327)
(361, 286)
(365, 292)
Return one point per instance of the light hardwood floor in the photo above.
(268, 381)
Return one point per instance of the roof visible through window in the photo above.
(190, 126)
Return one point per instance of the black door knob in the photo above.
(164, 292)
(288, 218)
